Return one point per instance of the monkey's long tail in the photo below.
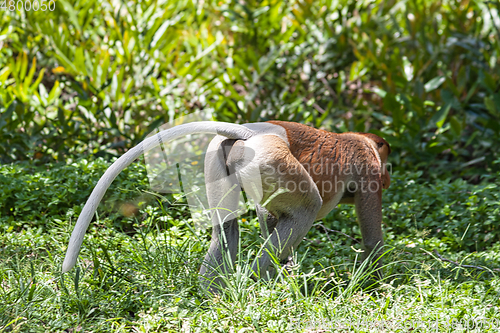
(231, 131)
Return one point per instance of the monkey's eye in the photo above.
(380, 145)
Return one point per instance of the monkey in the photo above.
(353, 158)
(294, 173)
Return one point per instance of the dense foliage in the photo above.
(85, 82)
(95, 76)
(462, 216)
(139, 271)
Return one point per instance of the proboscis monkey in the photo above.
(294, 173)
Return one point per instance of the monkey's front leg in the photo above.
(368, 201)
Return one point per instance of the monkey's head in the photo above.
(384, 150)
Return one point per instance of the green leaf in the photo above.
(79, 61)
(71, 13)
(4, 74)
(35, 85)
(441, 115)
(64, 60)
(358, 69)
(161, 31)
(434, 83)
(23, 58)
(456, 126)
(5, 117)
(54, 93)
(61, 117)
(31, 73)
(490, 105)
(393, 106)
(105, 68)
(380, 92)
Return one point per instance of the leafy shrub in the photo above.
(34, 196)
(93, 78)
(463, 216)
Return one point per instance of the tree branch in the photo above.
(464, 266)
(331, 230)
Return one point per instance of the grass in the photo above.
(139, 274)
(93, 77)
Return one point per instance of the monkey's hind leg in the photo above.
(223, 192)
(267, 221)
(290, 200)
(290, 229)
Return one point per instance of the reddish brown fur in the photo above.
(314, 147)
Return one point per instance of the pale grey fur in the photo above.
(239, 158)
(225, 129)
(285, 217)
